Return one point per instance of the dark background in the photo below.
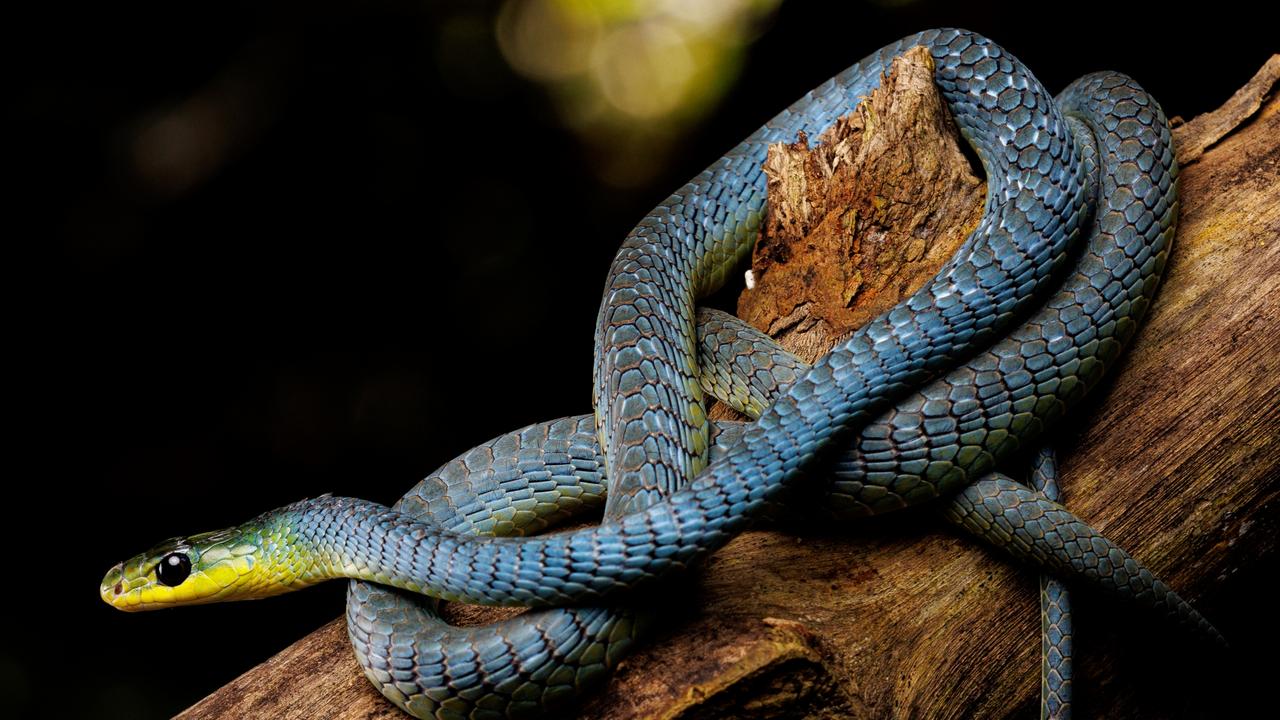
(394, 257)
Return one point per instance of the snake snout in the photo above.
(112, 584)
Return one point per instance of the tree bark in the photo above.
(1177, 458)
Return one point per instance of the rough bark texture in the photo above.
(1177, 458)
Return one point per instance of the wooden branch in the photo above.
(1176, 459)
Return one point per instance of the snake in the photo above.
(1057, 625)
(925, 404)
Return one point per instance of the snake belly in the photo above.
(632, 333)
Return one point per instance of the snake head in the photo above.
(233, 564)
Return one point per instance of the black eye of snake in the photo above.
(173, 569)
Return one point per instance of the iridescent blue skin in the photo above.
(650, 415)
(937, 440)
(519, 484)
(921, 405)
(1056, 627)
(859, 495)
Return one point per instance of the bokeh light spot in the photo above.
(628, 76)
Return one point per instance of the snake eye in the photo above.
(173, 569)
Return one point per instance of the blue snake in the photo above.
(924, 404)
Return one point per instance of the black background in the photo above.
(399, 258)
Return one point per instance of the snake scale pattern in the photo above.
(925, 404)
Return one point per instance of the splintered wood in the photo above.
(864, 217)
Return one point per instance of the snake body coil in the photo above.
(925, 402)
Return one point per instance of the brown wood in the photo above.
(865, 217)
(1177, 459)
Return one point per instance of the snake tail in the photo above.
(1057, 628)
(1057, 638)
(1036, 530)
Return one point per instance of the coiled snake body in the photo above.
(923, 404)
